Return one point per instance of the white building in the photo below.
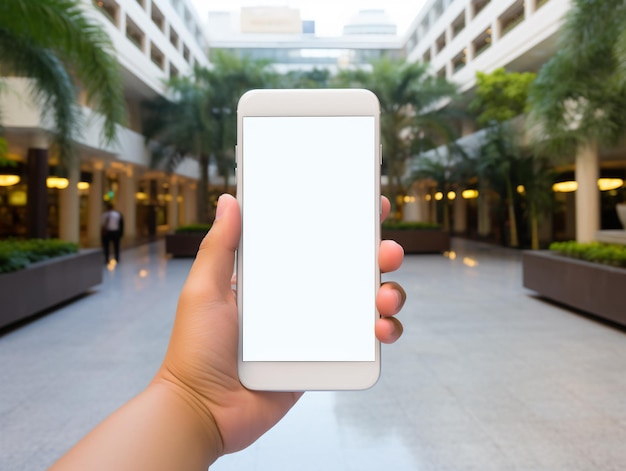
(153, 40)
(459, 38)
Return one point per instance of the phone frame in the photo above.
(308, 375)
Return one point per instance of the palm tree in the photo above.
(413, 118)
(178, 128)
(230, 77)
(449, 172)
(57, 46)
(199, 120)
(579, 97)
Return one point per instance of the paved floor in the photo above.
(485, 378)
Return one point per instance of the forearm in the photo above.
(158, 430)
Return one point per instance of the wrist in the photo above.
(193, 413)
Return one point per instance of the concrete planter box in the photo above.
(184, 244)
(419, 240)
(43, 285)
(590, 287)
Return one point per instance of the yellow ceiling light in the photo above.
(607, 184)
(141, 195)
(439, 196)
(451, 195)
(59, 183)
(9, 180)
(521, 189)
(83, 185)
(565, 187)
(469, 194)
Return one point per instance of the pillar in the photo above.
(459, 223)
(37, 191)
(69, 207)
(189, 204)
(172, 204)
(94, 205)
(126, 202)
(484, 214)
(587, 194)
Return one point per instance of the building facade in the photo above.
(153, 41)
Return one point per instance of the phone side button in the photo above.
(381, 155)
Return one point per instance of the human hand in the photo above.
(201, 361)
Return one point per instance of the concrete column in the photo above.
(459, 223)
(69, 207)
(94, 204)
(529, 7)
(126, 202)
(587, 195)
(496, 31)
(172, 204)
(469, 13)
(189, 204)
(37, 192)
(484, 214)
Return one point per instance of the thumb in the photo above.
(210, 276)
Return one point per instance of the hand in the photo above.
(201, 361)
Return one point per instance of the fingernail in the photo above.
(220, 207)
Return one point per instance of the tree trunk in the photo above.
(514, 240)
(534, 227)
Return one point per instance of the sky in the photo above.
(329, 16)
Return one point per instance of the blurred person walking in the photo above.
(112, 223)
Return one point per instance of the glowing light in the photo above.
(409, 199)
(451, 255)
(57, 182)
(451, 195)
(143, 273)
(140, 195)
(565, 187)
(470, 262)
(469, 194)
(521, 189)
(429, 197)
(9, 180)
(83, 185)
(607, 184)
(439, 196)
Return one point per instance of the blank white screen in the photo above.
(309, 242)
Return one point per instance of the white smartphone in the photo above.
(308, 184)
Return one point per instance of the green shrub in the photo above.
(409, 226)
(193, 229)
(17, 254)
(598, 252)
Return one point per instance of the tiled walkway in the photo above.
(485, 378)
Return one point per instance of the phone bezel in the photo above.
(309, 375)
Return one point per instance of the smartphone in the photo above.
(308, 184)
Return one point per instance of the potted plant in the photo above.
(38, 274)
(589, 277)
(417, 237)
(185, 240)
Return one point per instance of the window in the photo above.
(426, 57)
(174, 38)
(186, 53)
(173, 71)
(109, 9)
(459, 61)
(158, 18)
(479, 5)
(512, 17)
(458, 24)
(157, 57)
(134, 33)
(440, 43)
(482, 42)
